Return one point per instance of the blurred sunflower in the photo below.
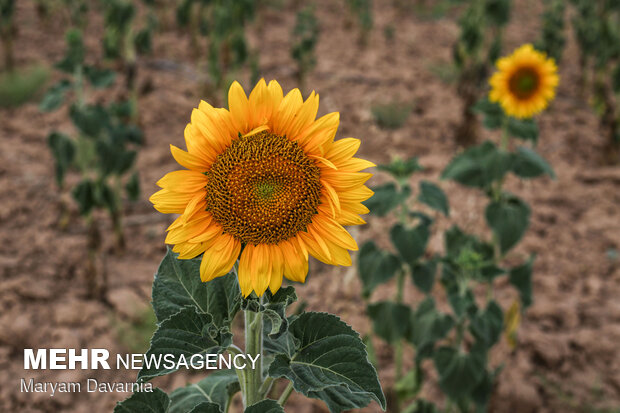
(265, 183)
(524, 83)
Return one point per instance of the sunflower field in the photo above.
(265, 206)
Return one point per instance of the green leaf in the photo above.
(421, 406)
(497, 11)
(521, 278)
(265, 406)
(457, 242)
(89, 119)
(106, 197)
(459, 373)
(410, 243)
(525, 129)
(274, 313)
(375, 266)
(177, 285)
(386, 198)
(401, 169)
(616, 78)
(55, 96)
(74, 56)
(205, 407)
(63, 149)
(434, 197)
(99, 78)
(216, 388)
(423, 274)
(391, 321)
(184, 334)
(508, 218)
(461, 302)
(487, 325)
(493, 115)
(156, 401)
(527, 163)
(478, 166)
(428, 326)
(329, 363)
(132, 187)
(84, 195)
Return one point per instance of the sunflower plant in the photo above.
(459, 341)
(553, 39)
(265, 186)
(478, 45)
(596, 29)
(124, 41)
(102, 150)
(361, 12)
(223, 24)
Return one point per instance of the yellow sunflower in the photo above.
(524, 83)
(266, 183)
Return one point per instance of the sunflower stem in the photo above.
(253, 377)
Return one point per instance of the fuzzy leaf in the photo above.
(186, 333)
(265, 406)
(140, 402)
(206, 407)
(177, 285)
(216, 388)
(329, 363)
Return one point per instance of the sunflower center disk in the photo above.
(263, 189)
(524, 83)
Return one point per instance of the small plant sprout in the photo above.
(17, 85)
(392, 115)
(223, 24)
(596, 29)
(255, 201)
(101, 151)
(123, 42)
(553, 39)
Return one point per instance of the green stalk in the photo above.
(400, 290)
(285, 395)
(253, 378)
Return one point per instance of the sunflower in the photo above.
(524, 83)
(266, 183)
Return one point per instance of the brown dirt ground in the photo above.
(567, 356)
